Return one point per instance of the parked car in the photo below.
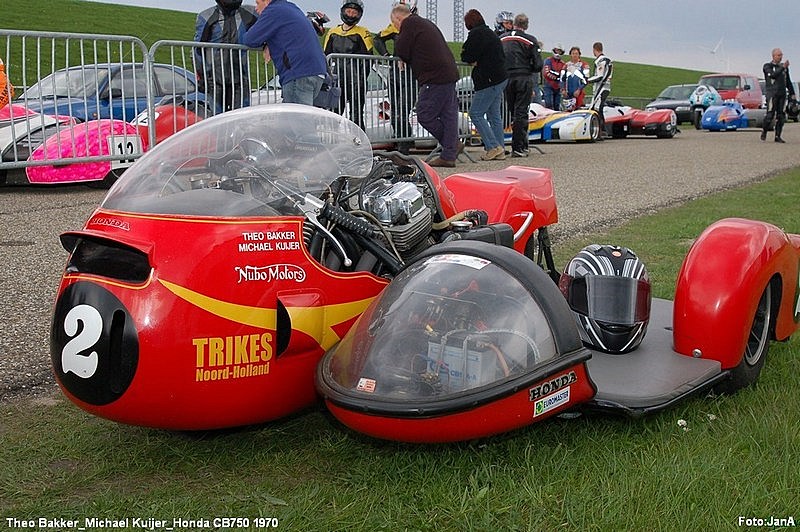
(675, 97)
(792, 106)
(743, 88)
(105, 90)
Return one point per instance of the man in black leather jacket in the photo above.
(777, 83)
(523, 63)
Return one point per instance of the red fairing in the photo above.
(640, 119)
(169, 119)
(204, 349)
(527, 406)
(510, 195)
(721, 281)
(446, 197)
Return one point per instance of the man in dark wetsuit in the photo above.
(777, 83)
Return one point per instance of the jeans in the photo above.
(301, 90)
(485, 114)
(552, 98)
(437, 111)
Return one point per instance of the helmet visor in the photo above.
(609, 299)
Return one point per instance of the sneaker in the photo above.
(519, 153)
(780, 140)
(763, 135)
(442, 163)
(496, 153)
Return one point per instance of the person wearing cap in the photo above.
(551, 73)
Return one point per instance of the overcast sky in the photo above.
(714, 35)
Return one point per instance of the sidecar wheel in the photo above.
(755, 351)
(697, 118)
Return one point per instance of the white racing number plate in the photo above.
(124, 146)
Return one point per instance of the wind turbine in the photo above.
(719, 48)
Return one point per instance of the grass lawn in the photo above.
(736, 457)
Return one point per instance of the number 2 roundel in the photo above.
(94, 344)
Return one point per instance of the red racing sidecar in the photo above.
(472, 340)
(204, 290)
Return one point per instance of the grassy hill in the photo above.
(151, 25)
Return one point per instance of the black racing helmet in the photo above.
(608, 290)
(355, 4)
(229, 5)
(500, 18)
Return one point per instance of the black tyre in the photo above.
(755, 352)
(697, 118)
(110, 179)
(594, 128)
(198, 108)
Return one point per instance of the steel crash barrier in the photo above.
(93, 104)
(81, 92)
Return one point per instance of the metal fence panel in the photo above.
(68, 83)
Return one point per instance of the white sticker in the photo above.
(123, 146)
(551, 402)
(465, 260)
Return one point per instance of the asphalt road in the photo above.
(597, 185)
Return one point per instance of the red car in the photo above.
(743, 88)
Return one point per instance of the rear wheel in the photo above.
(110, 178)
(697, 117)
(594, 128)
(198, 108)
(755, 351)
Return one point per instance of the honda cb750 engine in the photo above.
(400, 207)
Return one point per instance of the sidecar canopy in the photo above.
(470, 340)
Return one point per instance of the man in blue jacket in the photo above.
(286, 36)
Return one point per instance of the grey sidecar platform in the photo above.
(653, 376)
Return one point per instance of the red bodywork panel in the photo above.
(169, 119)
(721, 282)
(206, 322)
(520, 196)
(638, 122)
(497, 416)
